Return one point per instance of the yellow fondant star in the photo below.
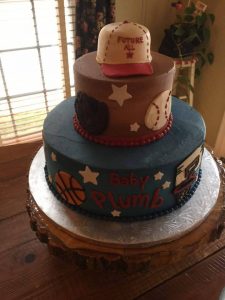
(120, 94)
(89, 176)
(134, 127)
(158, 176)
(115, 213)
(166, 185)
(53, 156)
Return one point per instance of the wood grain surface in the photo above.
(28, 271)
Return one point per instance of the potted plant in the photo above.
(189, 36)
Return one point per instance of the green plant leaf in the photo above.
(210, 57)
(193, 6)
(188, 18)
(204, 18)
(190, 9)
(191, 37)
(198, 21)
(212, 18)
(191, 88)
(185, 82)
(180, 31)
(201, 59)
(182, 79)
(197, 72)
(201, 19)
(206, 34)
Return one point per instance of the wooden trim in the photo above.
(220, 141)
(63, 46)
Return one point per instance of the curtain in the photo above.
(91, 16)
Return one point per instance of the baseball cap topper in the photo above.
(124, 50)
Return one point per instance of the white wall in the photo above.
(210, 89)
(154, 14)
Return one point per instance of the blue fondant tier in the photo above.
(124, 183)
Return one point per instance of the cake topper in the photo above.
(124, 50)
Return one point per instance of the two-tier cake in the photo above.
(123, 149)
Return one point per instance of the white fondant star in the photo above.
(158, 176)
(53, 156)
(115, 213)
(120, 94)
(134, 127)
(166, 185)
(89, 176)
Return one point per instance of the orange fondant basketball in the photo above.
(69, 188)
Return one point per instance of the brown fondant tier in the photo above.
(138, 107)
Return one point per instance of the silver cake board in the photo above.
(130, 235)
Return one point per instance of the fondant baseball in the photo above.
(158, 112)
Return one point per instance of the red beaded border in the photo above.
(122, 142)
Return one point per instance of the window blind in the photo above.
(36, 64)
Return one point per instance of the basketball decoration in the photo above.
(189, 166)
(158, 112)
(92, 114)
(187, 172)
(69, 188)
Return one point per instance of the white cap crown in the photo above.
(124, 43)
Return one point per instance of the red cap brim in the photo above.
(125, 70)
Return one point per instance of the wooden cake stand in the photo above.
(93, 243)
